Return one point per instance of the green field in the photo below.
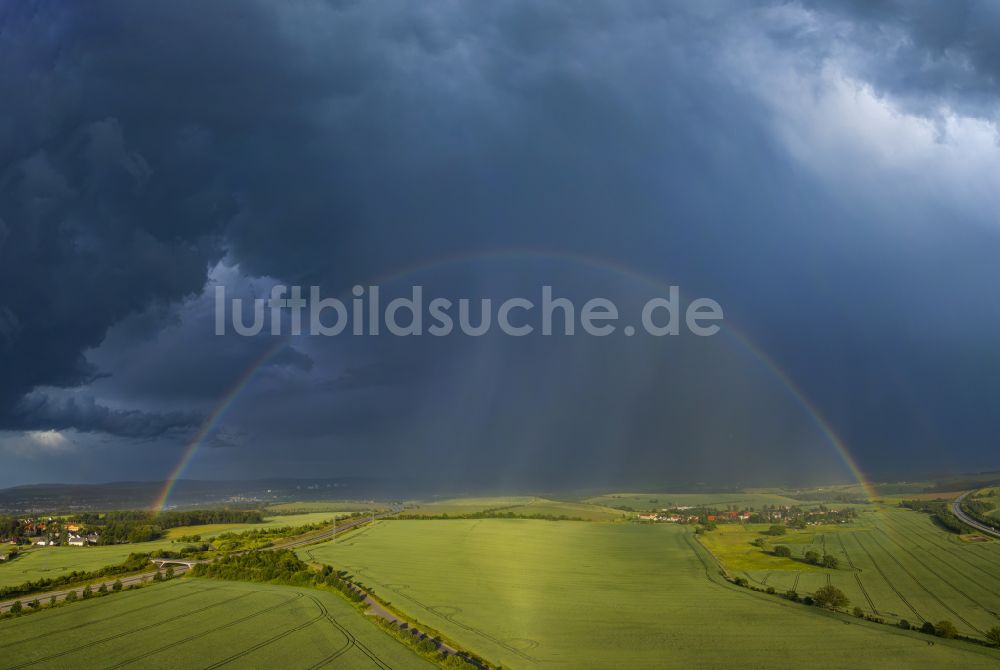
(190, 623)
(656, 501)
(51, 562)
(894, 563)
(211, 530)
(537, 594)
(345, 506)
(458, 506)
(517, 505)
(40, 562)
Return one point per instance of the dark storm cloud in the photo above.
(335, 143)
(38, 411)
(927, 53)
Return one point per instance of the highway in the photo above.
(182, 566)
(956, 509)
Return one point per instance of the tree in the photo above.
(103, 588)
(945, 628)
(928, 628)
(117, 586)
(858, 612)
(904, 624)
(16, 607)
(830, 596)
(775, 529)
(170, 572)
(812, 557)
(782, 550)
(71, 596)
(830, 561)
(158, 577)
(993, 635)
(87, 591)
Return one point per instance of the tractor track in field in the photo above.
(91, 622)
(878, 569)
(116, 636)
(270, 640)
(927, 590)
(907, 527)
(857, 575)
(946, 564)
(353, 643)
(203, 633)
(795, 584)
(766, 577)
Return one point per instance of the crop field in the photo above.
(205, 624)
(458, 506)
(894, 563)
(538, 594)
(655, 501)
(42, 562)
(310, 506)
(211, 530)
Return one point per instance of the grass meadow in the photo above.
(537, 594)
(190, 623)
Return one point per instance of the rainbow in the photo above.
(244, 380)
(212, 420)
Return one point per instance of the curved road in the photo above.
(956, 509)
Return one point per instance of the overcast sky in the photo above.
(829, 173)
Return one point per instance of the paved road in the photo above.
(44, 598)
(956, 508)
(181, 568)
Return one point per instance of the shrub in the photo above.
(770, 589)
(993, 635)
(928, 628)
(117, 586)
(782, 550)
(858, 612)
(71, 596)
(945, 629)
(830, 561)
(811, 557)
(16, 607)
(831, 596)
(904, 624)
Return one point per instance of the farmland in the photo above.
(893, 563)
(51, 562)
(211, 530)
(533, 594)
(200, 623)
(41, 562)
(517, 506)
(654, 501)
